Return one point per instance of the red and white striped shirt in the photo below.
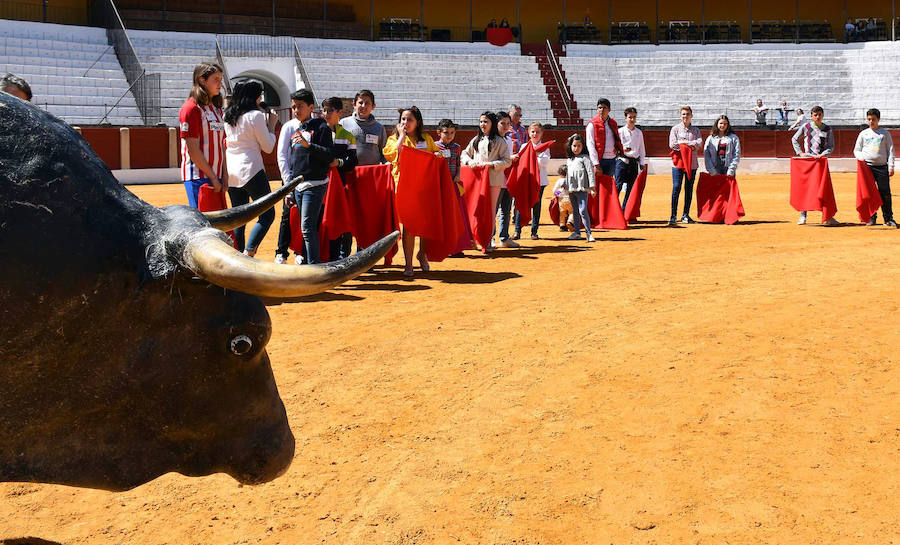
(207, 124)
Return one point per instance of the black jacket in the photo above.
(313, 162)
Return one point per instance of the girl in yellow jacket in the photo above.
(410, 131)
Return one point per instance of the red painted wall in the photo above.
(149, 147)
(105, 142)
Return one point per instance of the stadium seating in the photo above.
(716, 79)
(72, 71)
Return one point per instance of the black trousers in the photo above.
(883, 182)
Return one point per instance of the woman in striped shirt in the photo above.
(203, 133)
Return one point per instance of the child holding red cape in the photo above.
(817, 140)
(685, 144)
(722, 150)
(875, 148)
(535, 131)
(410, 123)
(489, 149)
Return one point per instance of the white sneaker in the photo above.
(575, 236)
(298, 259)
(510, 243)
(802, 219)
(591, 238)
(280, 259)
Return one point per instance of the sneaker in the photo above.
(535, 237)
(891, 223)
(687, 219)
(510, 243)
(280, 259)
(298, 260)
(591, 238)
(575, 236)
(672, 222)
(870, 223)
(802, 219)
(831, 222)
(517, 236)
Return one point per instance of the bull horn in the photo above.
(217, 262)
(231, 218)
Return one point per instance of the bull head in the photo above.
(132, 338)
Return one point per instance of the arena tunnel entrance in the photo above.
(276, 93)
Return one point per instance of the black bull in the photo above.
(128, 347)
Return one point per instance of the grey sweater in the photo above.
(875, 147)
(370, 138)
(580, 173)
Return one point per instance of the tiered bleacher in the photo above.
(716, 79)
(457, 80)
(72, 71)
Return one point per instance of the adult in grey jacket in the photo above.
(722, 150)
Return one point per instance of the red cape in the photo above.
(718, 199)
(811, 187)
(633, 206)
(477, 184)
(498, 36)
(524, 180)
(553, 210)
(210, 201)
(370, 193)
(466, 237)
(684, 158)
(428, 203)
(604, 209)
(868, 199)
(337, 218)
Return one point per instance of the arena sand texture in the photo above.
(707, 384)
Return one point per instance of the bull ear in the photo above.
(217, 262)
(231, 218)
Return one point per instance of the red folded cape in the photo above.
(466, 237)
(868, 199)
(811, 187)
(553, 210)
(477, 185)
(370, 193)
(718, 199)
(524, 180)
(684, 158)
(498, 36)
(428, 202)
(210, 201)
(337, 218)
(633, 206)
(604, 208)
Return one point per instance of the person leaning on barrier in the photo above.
(16, 86)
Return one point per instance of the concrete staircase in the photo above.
(564, 116)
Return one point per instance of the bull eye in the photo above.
(241, 345)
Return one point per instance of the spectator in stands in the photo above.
(801, 119)
(875, 147)
(871, 29)
(249, 134)
(504, 23)
(504, 204)
(849, 30)
(634, 154)
(492, 24)
(818, 141)
(602, 140)
(203, 132)
(535, 132)
(16, 86)
(783, 114)
(722, 150)
(284, 165)
(760, 111)
(369, 134)
(410, 131)
(488, 149)
(312, 151)
(344, 161)
(861, 29)
(684, 133)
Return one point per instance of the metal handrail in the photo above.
(118, 100)
(147, 93)
(221, 58)
(303, 75)
(557, 75)
(105, 51)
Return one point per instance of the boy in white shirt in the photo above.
(875, 147)
(628, 166)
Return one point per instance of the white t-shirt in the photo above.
(243, 144)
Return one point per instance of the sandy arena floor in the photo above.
(707, 384)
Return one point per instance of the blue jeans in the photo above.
(535, 214)
(608, 166)
(626, 174)
(677, 175)
(580, 203)
(256, 188)
(309, 202)
(192, 188)
(504, 202)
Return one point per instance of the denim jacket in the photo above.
(732, 154)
